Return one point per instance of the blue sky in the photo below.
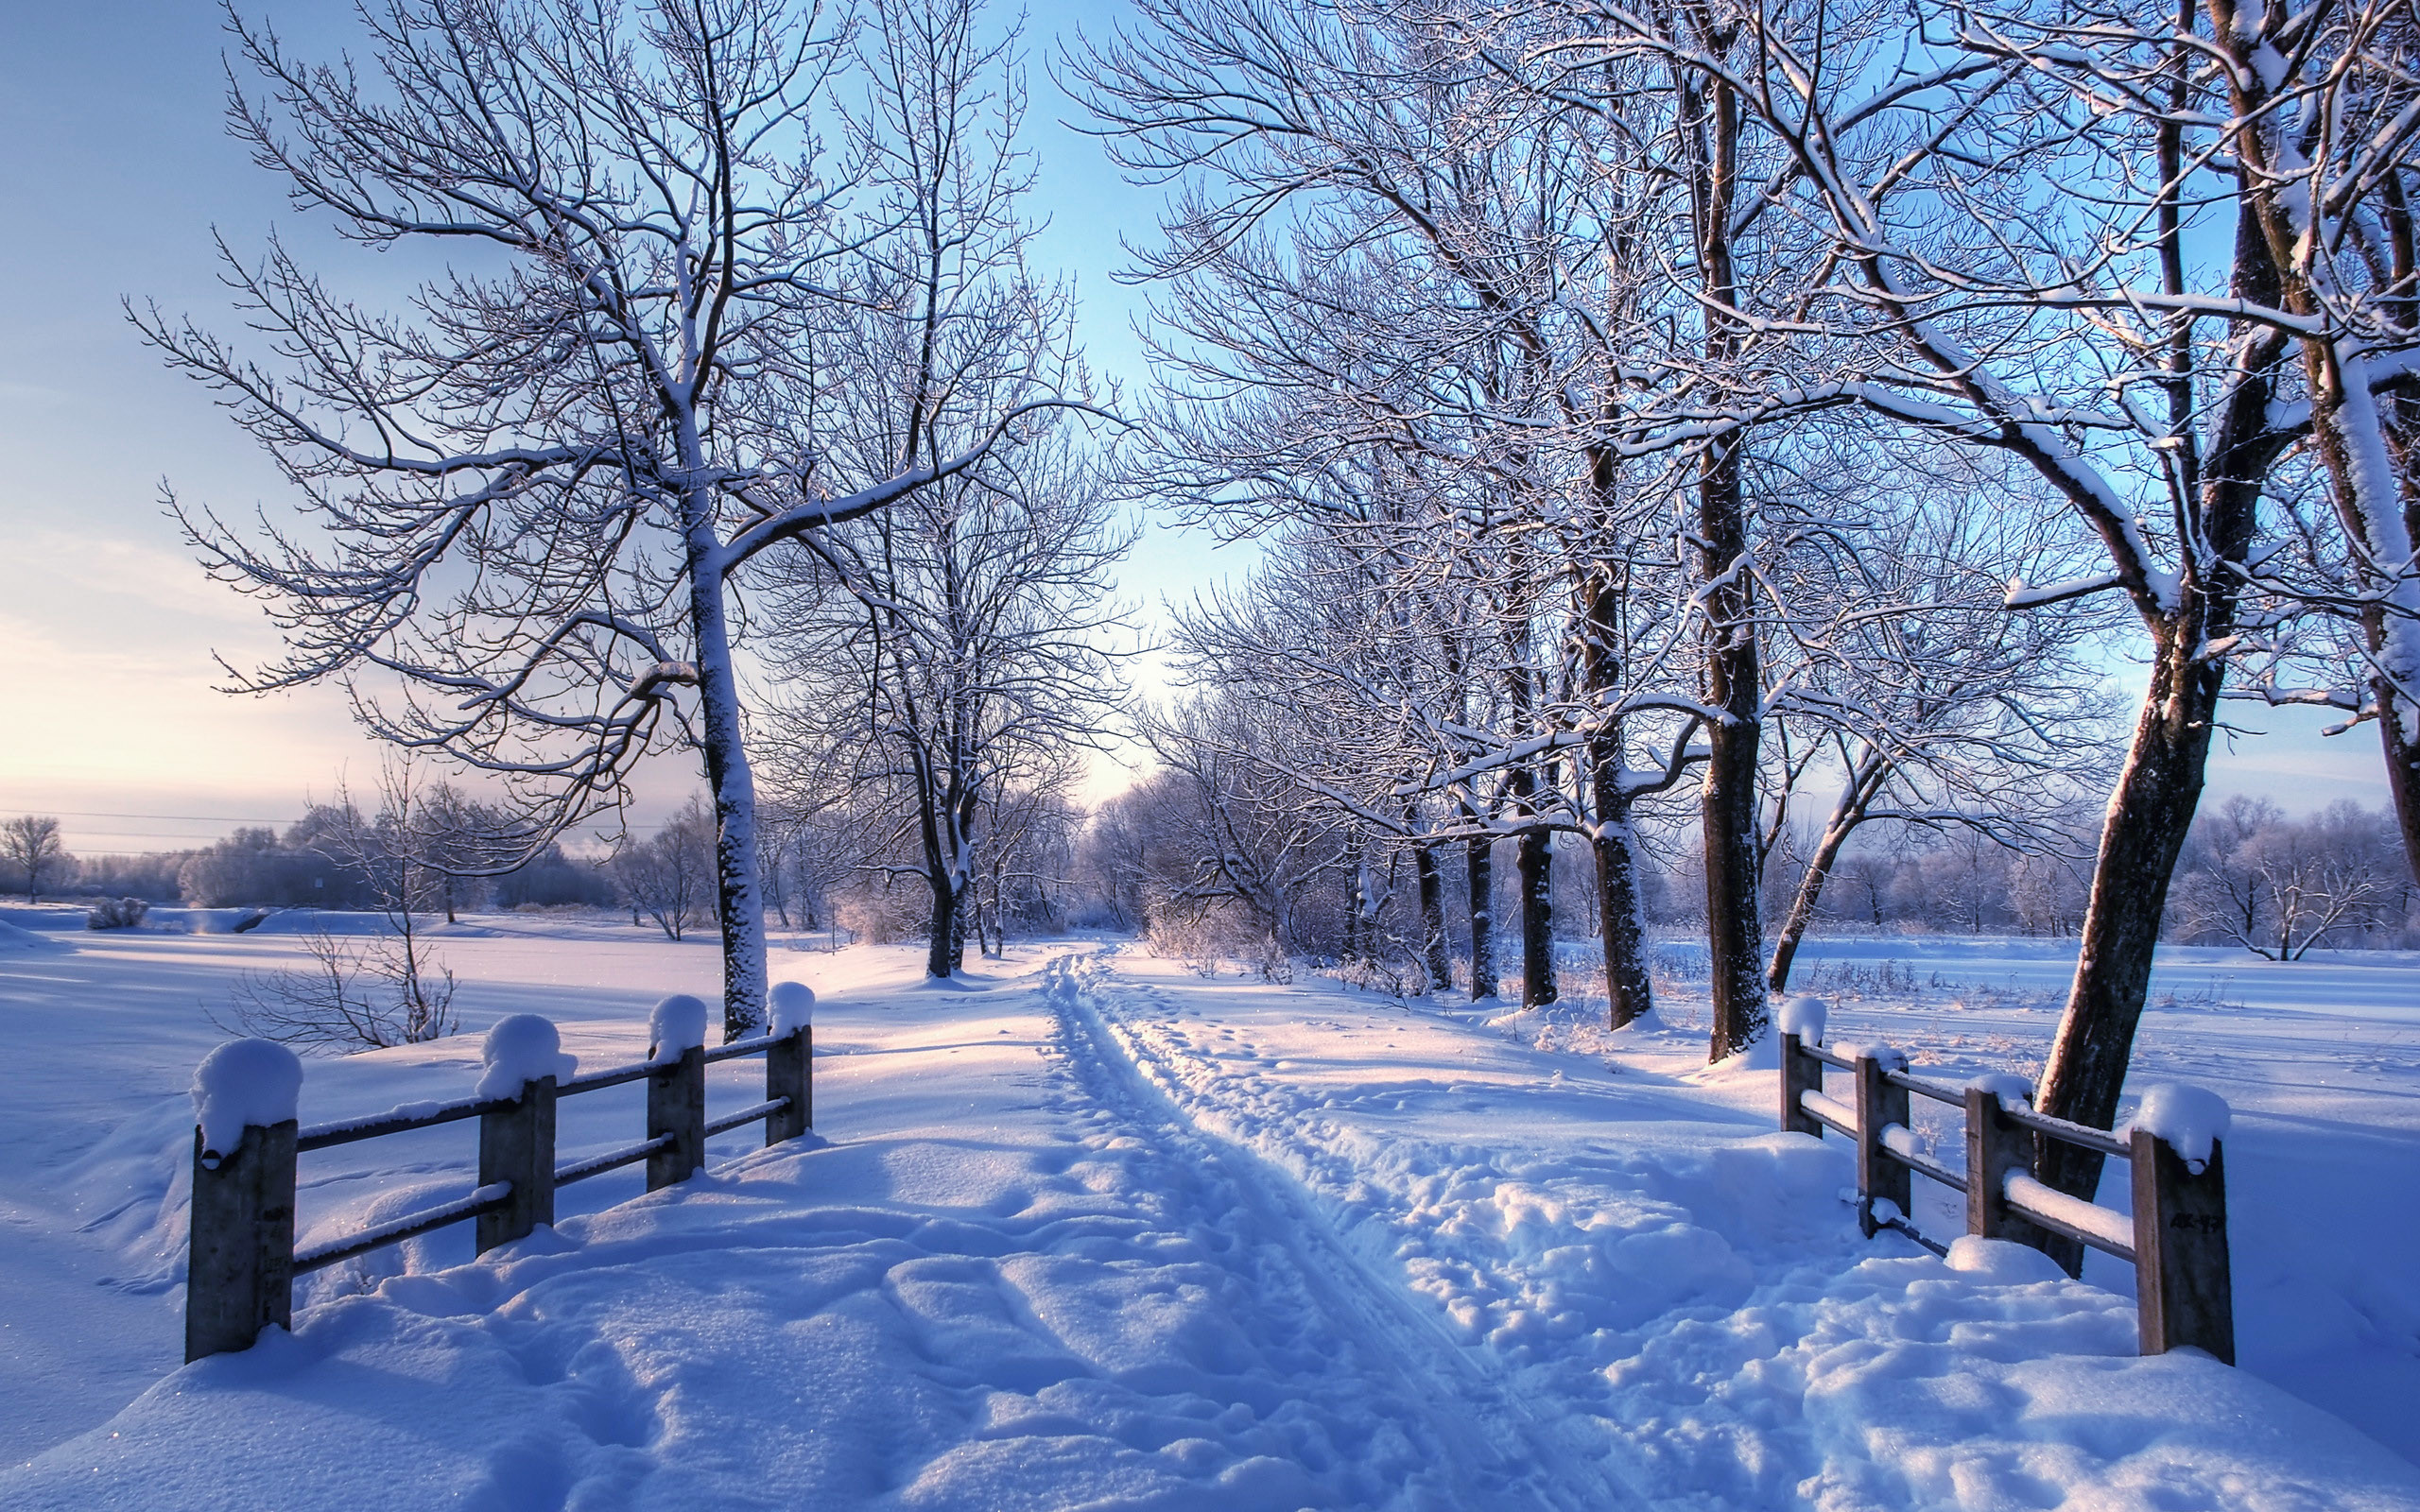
(116, 168)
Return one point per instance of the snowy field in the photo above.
(1099, 1232)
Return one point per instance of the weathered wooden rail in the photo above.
(2176, 1238)
(242, 1261)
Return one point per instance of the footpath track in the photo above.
(1483, 1446)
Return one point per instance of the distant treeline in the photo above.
(301, 868)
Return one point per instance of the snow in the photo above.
(793, 1005)
(1891, 1058)
(519, 1048)
(2013, 1091)
(677, 1026)
(2015, 1264)
(2048, 1202)
(1902, 1140)
(2188, 1119)
(242, 1083)
(1804, 1016)
(1101, 1232)
(1831, 1108)
(13, 937)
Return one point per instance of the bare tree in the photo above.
(944, 653)
(2280, 888)
(669, 876)
(387, 988)
(527, 500)
(31, 843)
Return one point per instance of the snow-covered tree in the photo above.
(524, 501)
(938, 655)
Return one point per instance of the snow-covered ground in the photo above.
(1099, 1232)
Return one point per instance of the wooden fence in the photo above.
(2176, 1239)
(242, 1264)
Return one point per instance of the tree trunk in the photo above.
(739, 901)
(1857, 794)
(2403, 781)
(941, 952)
(1735, 936)
(1479, 857)
(1621, 916)
(2152, 806)
(1534, 861)
(1356, 917)
(2150, 813)
(1432, 919)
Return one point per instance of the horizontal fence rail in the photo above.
(242, 1261)
(2176, 1238)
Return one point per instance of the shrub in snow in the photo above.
(677, 1026)
(2188, 1120)
(1806, 1018)
(793, 1005)
(115, 913)
(522, 1047)
(241, 1083)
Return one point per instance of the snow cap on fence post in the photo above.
(2186, 1119)
(793, 1007)
(1806, 1016)
(521, 1047)
(241, 1083)
(677, 1026)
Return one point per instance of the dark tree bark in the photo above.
(1621, 909)
(1735, 937)
(1535, 862)
(1479, 861)
(941, 952)
(1434, 954)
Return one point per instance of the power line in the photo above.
(197, 818)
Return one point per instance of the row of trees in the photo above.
(1751, 395)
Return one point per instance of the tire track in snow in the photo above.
(1495, 1452)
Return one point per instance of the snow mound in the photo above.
(523, 1047)
(15, 938)
(241, 1083)
(1997, 1259)
(793, 1005)
(2187, 1119)
(677, 1026)
(1805, 1016)
(1763, 1054)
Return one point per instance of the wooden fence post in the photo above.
(789, 1072)
(2183, 1292)
(1996, 1145)
(518, 1144)
(676, 1105)
(1879, 1179)
(239, 1268)
(1799, 1072)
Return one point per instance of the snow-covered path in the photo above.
(1109, 1235)
(1463, 1439)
